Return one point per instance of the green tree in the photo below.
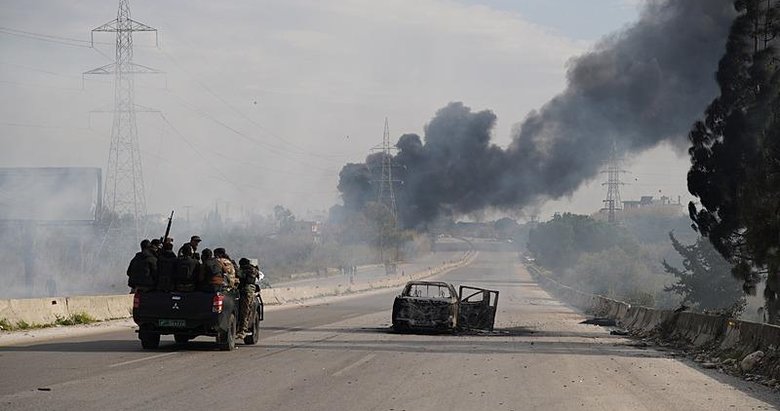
(616, 273)
(558, 243)
(735, 155)
(388, 236)
(705, 281)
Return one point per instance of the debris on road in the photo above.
(602, 322)
(749, 362)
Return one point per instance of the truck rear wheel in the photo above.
(227, 339)
(255, 336)
(149, 340)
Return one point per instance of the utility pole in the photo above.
(613, 203)
(124, 185)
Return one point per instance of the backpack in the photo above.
(230, 271)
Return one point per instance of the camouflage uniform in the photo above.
(247, 275)
(230, 271)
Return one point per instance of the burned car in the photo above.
(435, 305)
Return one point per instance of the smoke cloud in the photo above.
(637, 88)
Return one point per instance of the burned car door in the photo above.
(477, 309)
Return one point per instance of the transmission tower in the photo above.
(613, 203)
(124, 185)
(386, 195)
(386, 191)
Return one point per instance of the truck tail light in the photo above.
(217, 303)
(136, 299)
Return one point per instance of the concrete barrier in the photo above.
(697, 329)
(41, 311)
(33, 310)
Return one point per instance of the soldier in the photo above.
(248, 276)
(210, 276)
(156, 244)
(229, 267)
(194, 241)
(142, 271)
(187, 269)
(166, 268)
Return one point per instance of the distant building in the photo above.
(646, 205)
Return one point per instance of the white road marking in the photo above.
(142, 359)
(356, 364)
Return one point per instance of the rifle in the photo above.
(168, 228)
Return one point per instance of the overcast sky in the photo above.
(291, 90)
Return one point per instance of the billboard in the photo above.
(50, 194)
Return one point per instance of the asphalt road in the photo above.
(341, 356)
(374, 272)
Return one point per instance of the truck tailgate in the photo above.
(173, 305)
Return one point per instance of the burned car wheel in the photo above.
(400, 327)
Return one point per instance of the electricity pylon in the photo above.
(386, 190)
(386, 197)
(613, 202)
(124, 185)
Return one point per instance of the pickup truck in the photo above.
(190, 314)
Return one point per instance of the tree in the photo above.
(559, 242)
(388, 236)
(735, 155)
(506, 228)
(284, 219)
(705, 281)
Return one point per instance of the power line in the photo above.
(244, 136)
(300, 149)
(74, 42)
(221, 173)
(247, 163)
(293, 149)
(6, 63)
(205, 159)
(43, 126)
(68, 41)
(46, 38)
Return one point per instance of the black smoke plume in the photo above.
(637, 88)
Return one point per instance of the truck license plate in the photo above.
(171, 323)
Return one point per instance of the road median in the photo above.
(42, 312)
